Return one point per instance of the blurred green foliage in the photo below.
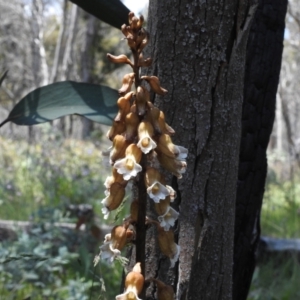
(52, 263)
(50, 172)
(278, 278)
(280, 215)
(38, 180)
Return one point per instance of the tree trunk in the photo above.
(264, 52)
(87, 64)
(199, 50)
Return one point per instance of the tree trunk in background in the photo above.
(87, 64)
(199, 50)
(264, 52)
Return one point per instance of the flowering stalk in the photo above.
(141, 140)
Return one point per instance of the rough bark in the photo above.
(199, 51)
(263, 63)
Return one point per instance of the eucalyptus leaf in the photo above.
(95, 102)
(113, 12)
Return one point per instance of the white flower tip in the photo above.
(146, 146)
(105, 212)
(168, 219)
(157, 191)
(182, 152)
(174, 259)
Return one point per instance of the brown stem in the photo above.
(136, 69)
(141, 225)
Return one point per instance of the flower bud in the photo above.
(145, 133)
(142, 35)
(140, 21)
(124, 107)
(120, 59)
(131, 42)
(155, 84)
(166, 147)
(165, 128)
(152, 116)
(132, 122)
(117, 128)
(142, 97)
(144, 62)
(119, 147)
(130, 16)
(176, 167)
(164, 291)
(126, 30)
(127, 82)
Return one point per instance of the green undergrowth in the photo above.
(48, 173)
(277, 278)
(38, 180)
(280, 215)
(52, 263)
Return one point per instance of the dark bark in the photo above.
(264, 52)
(199, 50)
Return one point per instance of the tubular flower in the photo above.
(114, 243)
(132, 122)
(134, 283)
(142, 97)
(117, 128)
(175, 166)
(115, 177)
(164, 291)
(155, 185)
(168, 219)
(167, 245)
(114, 197)
(119, 147)
(145, 133)
(124, 107)
(157, 191)
(166, 147)
(128, 166)
(165, 128)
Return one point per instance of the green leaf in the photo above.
(113, 12)
(95, 102)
